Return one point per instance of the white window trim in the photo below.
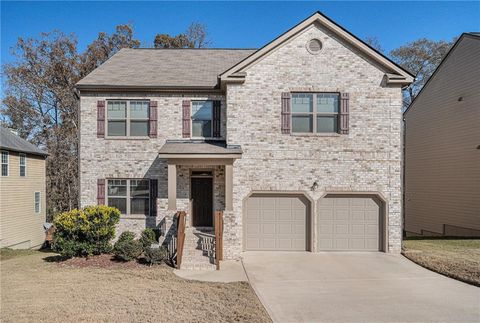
(127, 119)
(2, 163)
(20, 164)
(191, 121)
(315, 114)
(35, 202)
(128, 197)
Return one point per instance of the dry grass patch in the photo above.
(455, 258)
(37, 290)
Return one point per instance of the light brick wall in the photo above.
(368, 159)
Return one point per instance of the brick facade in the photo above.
(368, 159)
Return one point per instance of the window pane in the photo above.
(202, 110)
(22, 170)
(37, 202)
(139, 109)
(138, 128)
(117, 187)
(139, 188)
(4, 169)
(302, 123)
(327, 124)
(139, 206)
(117, 109)
(22, 160)
(302, 102)
(4, 157)
(118, 202)
(201, 128)
(117, 128)
(327, 103)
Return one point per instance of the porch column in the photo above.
(172, 186)
(228, 187)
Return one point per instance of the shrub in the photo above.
(127, 250)
(155, 255)
(147, 238)
(85, 232)
(126, 236)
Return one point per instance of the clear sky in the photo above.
(237, 24)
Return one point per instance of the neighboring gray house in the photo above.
(298, 142)
(442, 147)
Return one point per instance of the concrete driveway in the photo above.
(356, 287)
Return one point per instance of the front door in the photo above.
(202, 201)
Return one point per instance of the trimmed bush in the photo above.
(127, 250)
(85, 232)
(126, 236)
(155, 255)
(147, 238)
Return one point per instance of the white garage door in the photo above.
(349, 223)
(276, 223)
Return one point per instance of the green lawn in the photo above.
(455, 258)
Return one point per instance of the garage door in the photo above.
(276, 223)
(349, 223)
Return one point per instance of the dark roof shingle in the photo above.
(148, 67)
(10, 141)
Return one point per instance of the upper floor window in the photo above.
(202, 115)
(37, 202)
(23, 165)
(315, 112)
(127, 118)
(4, 163)
(130, 196)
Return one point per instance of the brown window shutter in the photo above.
(217, 118)
(153, 196)
(186, 118)
(100, 191)
(344, 113)
(100, 119)
(286, 112)
(152, 126)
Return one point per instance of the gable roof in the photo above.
(472, 35)
(10, 141)
(400, 75)
(166, 68)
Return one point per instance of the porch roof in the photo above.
(199, 149)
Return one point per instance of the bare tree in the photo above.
(195, 37)
(374, 43)
(421, 57)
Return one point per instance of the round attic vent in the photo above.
(314, 46)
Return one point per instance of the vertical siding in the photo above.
(21, 227)
(442, 162)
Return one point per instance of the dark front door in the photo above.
(202, 201)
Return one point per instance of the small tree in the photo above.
(85, 232)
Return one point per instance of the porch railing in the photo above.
(218, 238)
(180, 237)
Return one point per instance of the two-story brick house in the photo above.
(298, 142)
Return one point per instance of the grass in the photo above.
(7, 253)
(36, 290)
(455, 258)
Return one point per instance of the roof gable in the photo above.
(394, 72)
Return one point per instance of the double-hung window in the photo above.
(23, 165)
(315, 112)
(130, 196)
(127, 118)
(37, 202)
(202, 115)
(4, 163)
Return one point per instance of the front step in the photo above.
(199, 249)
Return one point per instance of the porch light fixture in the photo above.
(314, 186)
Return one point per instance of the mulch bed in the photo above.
(106, 261)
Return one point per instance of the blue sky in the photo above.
(237, 24)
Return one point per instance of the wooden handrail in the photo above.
(180, 237)
(218, 238)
